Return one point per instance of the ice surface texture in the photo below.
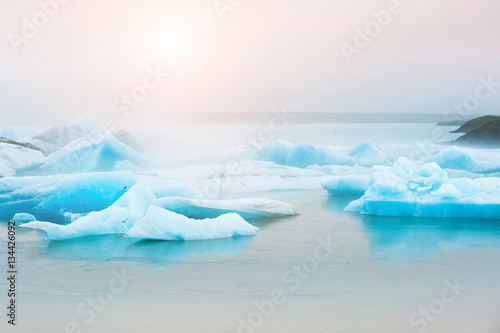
(116, 219)
(301, 155)
(137, 206)
(15, 158)
(246, 208)
(99, 153)
(482, 161)
(55, 198)
(427, 191)
(162, 224)
(346, 185)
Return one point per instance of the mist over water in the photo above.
(250, 166)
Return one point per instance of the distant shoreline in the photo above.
(306, 118)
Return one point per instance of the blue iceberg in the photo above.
(57, 198)
(98, 153)
(482, 161)
(427, 191)
(302, 155)
(346, 185)
(116, 219)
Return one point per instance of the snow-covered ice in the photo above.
(246, 208)
(15, 159)
(162, 224)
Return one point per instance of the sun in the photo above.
(180, 36)
(174, 43)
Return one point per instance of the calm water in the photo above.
(382, 271)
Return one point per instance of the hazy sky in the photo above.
(264, 54)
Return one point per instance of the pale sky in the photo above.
(264, 54)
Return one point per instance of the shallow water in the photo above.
(382, 271)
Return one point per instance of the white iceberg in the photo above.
(16, 158)
(18, 133)
(56, 138)
(247, 208)
(162, 224)
(84, 124)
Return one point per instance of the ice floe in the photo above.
(246, 208)
(427, 191)
(162, 224)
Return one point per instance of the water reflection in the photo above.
(154, 252)
(404, 238)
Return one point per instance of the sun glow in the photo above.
(181, 36)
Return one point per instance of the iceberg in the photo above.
(483, 161)
(346, 185)
(84, 124)
(427, 191)
(16, 158)
(208, 181)
(162, 224)
(57, 198)
(138, 203)
(56, 138)
(23, 218)
(368, 154)
(116, 219)
(98, 153)
(247, 208)
(302, 155)
(17, 133)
